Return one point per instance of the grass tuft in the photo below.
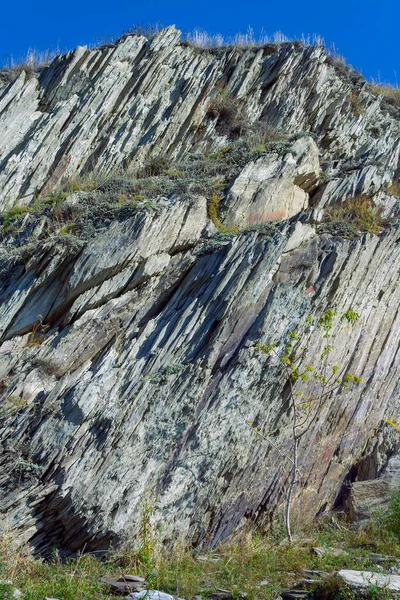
(359, 213)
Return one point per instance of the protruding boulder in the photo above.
(274, 187)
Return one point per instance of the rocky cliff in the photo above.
(132, 301)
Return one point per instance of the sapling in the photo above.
(310, 380)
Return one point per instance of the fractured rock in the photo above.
(273, 188)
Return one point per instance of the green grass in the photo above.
(239, 566)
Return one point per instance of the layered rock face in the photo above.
(128, 367)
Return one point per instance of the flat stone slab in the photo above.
(151, 595)
(322, 551)
(363, 579)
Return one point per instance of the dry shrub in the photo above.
(359, 212)
(394, 188)
(391, 92)
(262, 132)
(229, 116)
(356, 105)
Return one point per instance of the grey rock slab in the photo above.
(324, 550)
(273, 188)
(361, 580)
(366, 496)
(151, 595)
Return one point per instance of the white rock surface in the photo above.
(150, 595)
(361, 580)
(273, 188)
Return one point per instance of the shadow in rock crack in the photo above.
(61, 528)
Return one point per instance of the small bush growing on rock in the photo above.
(263, 132)
(309, 384)
(9, 217)
(228, 114)
(394, 188)
(213, 204)
(356, 105)
(360, 213)
(155, 165)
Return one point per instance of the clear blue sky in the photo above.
(366, 32)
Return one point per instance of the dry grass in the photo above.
(202, 39)
(389, 91)
(359, 212)
(394, 188)
(33, 61)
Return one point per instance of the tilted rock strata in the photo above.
(128, 364)
(109, 107)
(146, 389)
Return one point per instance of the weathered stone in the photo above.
(368, 495)
(133, 578)
(295, 594)
(361, 580)
(125, 583)
(151, 595)
(273, 188)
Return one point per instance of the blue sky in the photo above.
(366, 32)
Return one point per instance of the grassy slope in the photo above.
(238, 567)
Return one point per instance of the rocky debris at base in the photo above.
(303, 588)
